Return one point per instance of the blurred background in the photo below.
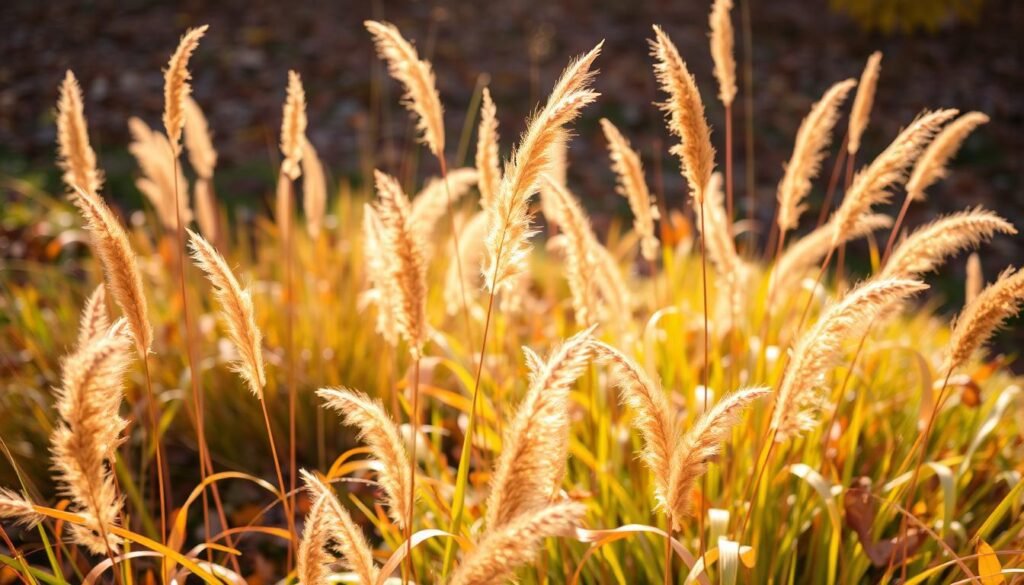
(965, 54)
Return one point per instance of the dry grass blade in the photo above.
(293, 127)
(508, 219)
(932, 165)
(431, 203)
(653, 415)
(631, 184)
(76, 156)
(237, 310)
(861, 112)
(119, 265)
(84, 443)
(380, 432)
(417, 76)
(812, 139)
(722, 50)
(685, 112)
(314, 189)
(800, 396)
(488, 159)
(871, 186)
(980, 319)
(159, 174)
(501, 551)
(928, 247)
(532, 459)
(405, 267)
(177, 87)
(17, 509)
(348, 538)
(806, 253)
(700, 443)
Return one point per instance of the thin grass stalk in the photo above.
(728, 166)
(277, 462)
(748, 108)
(414, 419)
(707, 359)
(912, 486)
(462, 475)
(197, 393)
(158, 450)
(771, 411)
(833, 182)
(289, 266)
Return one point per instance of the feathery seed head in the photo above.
(237, 311)
(382, 435)
(502, 550)
(812, 139)
(509, 228)
(685, 112)
(531, 465)
(931, 167)
(633, 186)
(871, 186)
(861, 112)
(177, 87)
(293, 127)
(928, 247)
(801, 396)
(421, 95)
(722, 50)
(405, 268)
(983, 317)
(198, 142)
(700, 443)
(488, 163)
(75, 155)
(110, 243)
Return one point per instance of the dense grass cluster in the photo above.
(375, 385)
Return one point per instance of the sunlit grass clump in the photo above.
(392, 380)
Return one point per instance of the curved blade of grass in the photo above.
(21, 568)
(945, 475)
(417, 539)
(824, 489)
(137, 538)
(599, 538)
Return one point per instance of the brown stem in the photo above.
(707, 359)
(414, 420)
(668, 547)
(277, 465)
(289, 287)
(162, 480)
(917, 470)
(748, 107)
(896, 229)
(833, 182)
(728, 166)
